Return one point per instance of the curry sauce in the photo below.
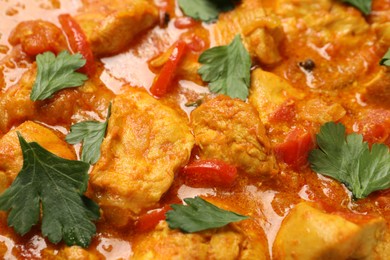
(312, 62)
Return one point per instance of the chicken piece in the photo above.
(377, 90)
(3, 249)
(382, 249)
(146, 143)
(164, 243)
(4, 182)
(301, 7)
(73, 252)
(2, 80)
(319, 111)
(16, 106)
(311, 233)
(319, 31)
(381, 25)
(269, 91)
(338, 23)
(11, 158)
(326, 19)
(111, 25)
(261, 33)
(15, 103)
(230, 130)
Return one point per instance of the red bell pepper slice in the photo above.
(150, 220)
(78, 42)
(209, 173)
(295, 149)
(162, 82)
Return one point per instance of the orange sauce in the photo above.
(267, 201)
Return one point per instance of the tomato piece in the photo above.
(286, 112)
(150, 220)
(380, 5)
(162, 82)
(209, 173)
(295, 148)
(196, 44)
(38, 37)
(78, 42)
(376, 134)
(375, 126)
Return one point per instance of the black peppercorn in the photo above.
(307, 65)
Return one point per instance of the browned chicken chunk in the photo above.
(261, 32)
(164, 243)
(11, 159)
(268, 91)
(231, 130)
(16, 105)
(146, 143)
(111, 25)
(311, 233)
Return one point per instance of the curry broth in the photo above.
(337, 89)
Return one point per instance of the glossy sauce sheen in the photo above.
(336, 87)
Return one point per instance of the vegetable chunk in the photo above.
(38, 36)
(146, 143)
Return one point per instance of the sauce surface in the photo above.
(327, 53)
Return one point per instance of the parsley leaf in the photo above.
(363, 5)
(91, 133)
(349, 160)
(386, 59)
(199, 215)
(227, 69)
(57, 185)
(56, 73)
(205, 10)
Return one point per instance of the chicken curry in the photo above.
(194, 129)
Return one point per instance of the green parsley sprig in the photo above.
(349, 160)
(56, 73)
(363, 5)
(385, 61)
(199, 215)
(55, 187)
(91, 133)
(205, 10)
(227, 69)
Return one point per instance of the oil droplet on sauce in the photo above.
(112, 248)
(9, 245)
(34, 247)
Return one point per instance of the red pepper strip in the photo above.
(162, 82)
(149, 220)
(78, 42)
(209, 173)
(295, 149)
